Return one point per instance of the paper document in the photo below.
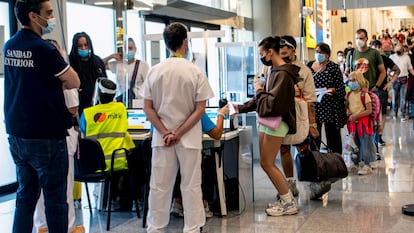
(320, 92)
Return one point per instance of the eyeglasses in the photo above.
(284, 43)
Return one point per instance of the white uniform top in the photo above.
(120, 69)
(71, 97)
(174, 86)
(403, 62)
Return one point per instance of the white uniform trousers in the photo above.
(39, 216)
(165, 164)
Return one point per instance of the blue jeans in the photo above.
(366, 152)
(399, 90)
(40, 163)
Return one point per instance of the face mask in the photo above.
(51, 23)
(266, 63)
(319, 57)
(286, 59)
(353, 85)
(340, 58)
(360, 43)
(83, 53)
(130, 55)
(399, 53)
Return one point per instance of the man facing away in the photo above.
(175, 95)
(36, 116)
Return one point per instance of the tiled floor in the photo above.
(370, 203)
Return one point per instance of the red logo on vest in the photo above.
(99, 117)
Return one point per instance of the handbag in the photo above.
(130, 92)
(302, 123)
(270, 122)
(315, 166)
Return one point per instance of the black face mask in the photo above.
(399, 53)
(286, 59)
(266, 63)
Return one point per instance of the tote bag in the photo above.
(302, 122)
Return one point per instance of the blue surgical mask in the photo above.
(353, 85)
(320, 57)
(83, 53)
(130, 55)
(51, 23)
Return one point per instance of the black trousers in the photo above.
(333, 138)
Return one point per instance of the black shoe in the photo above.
(379, 156)
(317, 189)
(381, 142)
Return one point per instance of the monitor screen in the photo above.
(250, 86)
(137, 119)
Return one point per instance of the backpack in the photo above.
(376, 105)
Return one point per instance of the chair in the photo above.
(90, 168)
(147, 155)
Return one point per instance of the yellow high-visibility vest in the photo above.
(108, 124)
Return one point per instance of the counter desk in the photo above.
(234, 167)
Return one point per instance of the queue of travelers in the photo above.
(176, 109)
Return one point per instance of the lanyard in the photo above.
(177, 55)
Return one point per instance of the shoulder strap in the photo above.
(363, 93)
(134, 74)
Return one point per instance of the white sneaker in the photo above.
(403, 119)
(208, 213)
(373, 165)
(353, 167)
(177, 210)
(365, 170)
(283, 208)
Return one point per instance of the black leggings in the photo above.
(333, 138)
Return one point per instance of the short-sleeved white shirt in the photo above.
(120, 69)
(174, 86)
(403, 62)
(71, 97)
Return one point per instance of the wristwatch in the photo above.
(377, 86)
(313, 125)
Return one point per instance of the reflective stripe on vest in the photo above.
(107, 135)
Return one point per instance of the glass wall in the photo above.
(4, 20)
(7, 167)
(97, 22)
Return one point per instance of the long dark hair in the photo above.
(92, 70)
(271, 42)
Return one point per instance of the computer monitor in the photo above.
(250, 86)
(137, 119)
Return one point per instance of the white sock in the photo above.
(287, 198)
